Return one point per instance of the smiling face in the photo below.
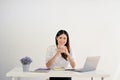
(62, 39)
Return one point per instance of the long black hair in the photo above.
(60, 32)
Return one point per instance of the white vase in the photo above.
(26, 68)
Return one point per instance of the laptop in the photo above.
(90, 64)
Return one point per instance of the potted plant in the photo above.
(26, 61)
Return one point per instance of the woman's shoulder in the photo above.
(52, 46)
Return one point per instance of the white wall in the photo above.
(28, 27)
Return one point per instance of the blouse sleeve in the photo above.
(73, 56)
(50, 53)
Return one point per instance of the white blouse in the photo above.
(60, 61)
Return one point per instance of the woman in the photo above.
(60, 55)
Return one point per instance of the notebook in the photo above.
(41, 70)
(89, 65)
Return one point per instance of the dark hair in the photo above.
(60, 32)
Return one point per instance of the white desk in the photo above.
(18, 73)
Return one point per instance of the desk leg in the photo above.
(102, 78)
(91, 78)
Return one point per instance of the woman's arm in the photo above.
(70, 59)
(50, 62)
(72, 62)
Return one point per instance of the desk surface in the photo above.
(17, 72)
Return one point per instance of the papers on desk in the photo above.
(58, 68)
(42, 70)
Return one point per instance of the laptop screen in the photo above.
(91, 62)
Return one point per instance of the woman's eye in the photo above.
(60, 38)
(65, 38)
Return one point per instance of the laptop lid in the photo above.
(91, 62)
(89, 65)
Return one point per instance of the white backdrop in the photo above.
(28, 27)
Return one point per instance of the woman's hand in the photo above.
(62, 49)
